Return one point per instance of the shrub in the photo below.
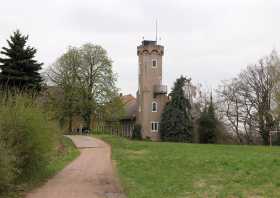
(136, 133)
(27, 132)
(7, 171)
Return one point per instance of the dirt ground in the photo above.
(91, 175)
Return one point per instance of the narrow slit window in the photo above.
(154, 63)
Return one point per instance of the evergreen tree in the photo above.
(19, 69)
(208, 125)
(176, 121)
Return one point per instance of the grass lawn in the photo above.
(170, 170)
(67, 153)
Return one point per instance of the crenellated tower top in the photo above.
(149, 48)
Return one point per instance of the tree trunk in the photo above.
(70, 124)
(263, 131)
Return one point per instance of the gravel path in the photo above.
(91, 175)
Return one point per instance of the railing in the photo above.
(160, 89)
(123, 129)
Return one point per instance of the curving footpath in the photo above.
(91, 175)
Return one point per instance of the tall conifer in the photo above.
(208, 125)
(176, 120)
(19, 69)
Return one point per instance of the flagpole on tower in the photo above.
(156, 30)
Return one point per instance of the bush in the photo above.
(7, 171)
(27, 132)
(136, 133)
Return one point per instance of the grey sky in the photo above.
(208, 40)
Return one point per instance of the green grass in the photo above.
(170, 170)
(67, 153)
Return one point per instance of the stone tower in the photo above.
(151, 94)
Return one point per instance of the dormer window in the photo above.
(154, 63)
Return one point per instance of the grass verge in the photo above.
(176, 170)
(66, 153)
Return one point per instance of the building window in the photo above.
(154, 63)
(155, 126)
(154, 106)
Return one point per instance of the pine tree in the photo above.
(208, 125)
(19, 69)
(176, 121)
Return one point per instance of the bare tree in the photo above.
(230, 106)
(258, 83)
(246, 101)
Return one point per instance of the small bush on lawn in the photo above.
(136, 133)
(26, 130)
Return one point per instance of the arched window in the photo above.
(154, 106)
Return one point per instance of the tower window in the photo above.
(155, 126)
(154, 63)
(154, 106)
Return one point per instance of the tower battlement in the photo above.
(149, 42)
(150, 47)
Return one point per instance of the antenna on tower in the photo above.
(156, 30)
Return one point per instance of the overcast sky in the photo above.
(208, 40)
